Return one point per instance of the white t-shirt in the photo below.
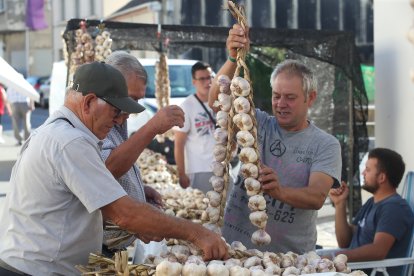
(200, 140)
(51, 219)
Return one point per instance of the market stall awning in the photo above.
(11, 78)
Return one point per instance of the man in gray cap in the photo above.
(61, 190)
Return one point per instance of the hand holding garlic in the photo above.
(270, 182)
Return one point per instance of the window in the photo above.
(2, 5)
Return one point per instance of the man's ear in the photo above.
(87, 103)
(311, 98)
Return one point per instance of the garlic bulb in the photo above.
(213, 214)
(257, 203)
(218, 168)
(224, 101)
(271, 259)
(181, 252)
(240, 86)
(252, 186)
(291, 270)
(257, 271)
(273, 270)
(222, 117)
(214, 198)
(252, 261)
(244, 138)
(167, 268)
(219, 152)
(243, 121)
(237, 245)
(217, 183)
(216, 269)
(239, 271)
(248, 155)
(258, 218)
(232, 262)
(308, 269)
(213, 227)
(192, 269)
(224, 84)
(249, 170)
(241, 105)
(260, 237)
(220, 135)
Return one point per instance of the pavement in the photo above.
(9, 153)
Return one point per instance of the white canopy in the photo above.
(11, 78)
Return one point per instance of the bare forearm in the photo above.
(369, 252)
(179, 157)
(303, 198)
(343, 230)
(123, 157)
(227, 69)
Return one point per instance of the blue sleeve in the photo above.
(393, 220)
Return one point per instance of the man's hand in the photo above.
(238, 38)
(339, 195)
(184, 181)
(270, 182)
(168, 117)
(211, 244)
(153, 197)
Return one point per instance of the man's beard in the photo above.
(371, 188)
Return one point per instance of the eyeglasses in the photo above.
(204, 78)
(118, 112)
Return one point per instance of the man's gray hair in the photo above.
(127, 64)
(296, 67)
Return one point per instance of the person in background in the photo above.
(4, 104)
(383, 226)
(300, 162)
(120, 152)
(194, 142)
(61, 190)
(22, 107)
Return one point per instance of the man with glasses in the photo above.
(194, 143)
(60, 189)
(120, 152)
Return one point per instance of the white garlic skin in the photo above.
(291, 270)
(271, 259)
(237, 245)
(260, 237)
(243, 121)
(221, 118)
(215, 269)
(249, 170)
(252, 261)
(192, 269)
(218, 168)
(220, 135)
(308, 269)
(240, 86)
(232, 262)
(167, 268)
(214, 198)
(213, 214)
(224, 84)
(241, 105)
(217, 183)
(257, 203)
(273, 269)
(244, 138)
(259, 219)
(225, 102)
(252, 186)
(248, 155)
(239, 271)
(219, 152)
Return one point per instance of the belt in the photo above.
(8, 270)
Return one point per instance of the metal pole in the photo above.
(351, 150)
(27, 50)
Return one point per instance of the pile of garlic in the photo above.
(103, 44)
(155, 170)
(182, 259)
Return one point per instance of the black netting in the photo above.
(341, 107)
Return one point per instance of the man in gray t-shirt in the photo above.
(300, 162)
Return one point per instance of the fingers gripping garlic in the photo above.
(248, 155)
(243, 121)
(241, 105)
(244, 138)
(252, 186)
(222, 117)
(258, 218)
(249, 170)
(240, 86)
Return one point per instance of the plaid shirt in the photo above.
(130, 181)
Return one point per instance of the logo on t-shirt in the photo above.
(203, 124)
(277, 148)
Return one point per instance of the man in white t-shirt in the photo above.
(194, 142)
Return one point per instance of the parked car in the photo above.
(36, 82)
(44, 92)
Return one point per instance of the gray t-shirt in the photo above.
(294, 156)
(51, 219)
